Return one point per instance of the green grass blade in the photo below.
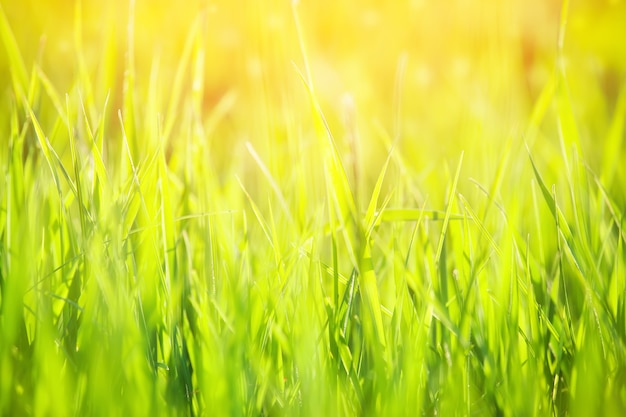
(446, 218)
(370, 214)
(16, 63)
(480, 225)
(409, 215)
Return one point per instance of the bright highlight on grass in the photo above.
(301, 208)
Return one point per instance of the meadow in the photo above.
(348, 208)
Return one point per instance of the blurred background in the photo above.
(441, 76)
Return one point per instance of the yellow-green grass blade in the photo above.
(377, 220)
(82, 210)
(369, 288)
(616, 213)
(555, 211)
(305, 57)
(270, 178)
(259, 216)
(480, 225)
(332, 221)
(19, 75)
(446, 218)
(101, 184)
(418, 222)
(198, 73)
(370, 214)
(138, 206)
(542, 186)
(45, 148)
(614, 139)
(562, 282)
(340, 221)
(129, 84)
(177, 91)
(16, 148)
(569, 137)
(86, 86)
(499, 176)
(540, 108)
(563, 25)
(168, 228)
(53, 95)
(338, 174)
(409, 215)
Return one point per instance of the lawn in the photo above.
(312, 208)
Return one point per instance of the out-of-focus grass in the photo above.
(271, 208)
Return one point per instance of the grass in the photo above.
(186, 233)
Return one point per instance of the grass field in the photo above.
(266, 208)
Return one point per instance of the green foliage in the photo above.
(145, 270)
